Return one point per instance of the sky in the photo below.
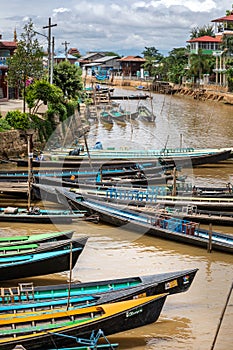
(122, 26)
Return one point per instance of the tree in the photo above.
(111, 53)
(227, 44)
(68, 78)
(201, 64)
(27, 62)
(197, 32)
(152, 52)
(153, 57)
(41, 91)
(229, 12)
(174, 65)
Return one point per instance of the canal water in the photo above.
(188, 320)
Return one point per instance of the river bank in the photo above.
(204, 92)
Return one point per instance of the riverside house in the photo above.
(7, 49)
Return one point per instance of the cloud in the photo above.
(115, 25)
(61, 10)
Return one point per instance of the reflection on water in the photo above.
(202, 124)
(188, 320)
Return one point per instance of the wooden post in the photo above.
(30, 156)
(174, 182)
(210, 239)
(70, 276)
(221, 318)
(181, 140)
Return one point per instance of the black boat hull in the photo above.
(135, 317)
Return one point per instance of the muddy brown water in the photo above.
(188, 320)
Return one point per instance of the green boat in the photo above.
(36, 238)
(14, 251)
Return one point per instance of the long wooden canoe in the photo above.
(40, 331)
(184, 160)
(182, 231)
(40, 216)
(30, 265)
(14, 251)
(36, 238)
(55, 296)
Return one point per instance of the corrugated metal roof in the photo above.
(63, 56)
(105, 58)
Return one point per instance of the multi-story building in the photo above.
(223, 28)
(7, 49)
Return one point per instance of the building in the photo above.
(74, 51)
(102, 67)
(207, 44)
(60, 57)
(7, 49)
(90, 58)
(131, 65)
(223, 29)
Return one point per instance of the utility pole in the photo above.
(52, 62)
(66, 48)
(49, 26)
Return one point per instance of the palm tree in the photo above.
(201, 64)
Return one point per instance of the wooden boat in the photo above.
(117, 116)
(136, 178)
(36, 238)
(15, 251)
(29, 265)
(106, 169)
(40, 216)
(170, 228)
(202, 203)
(191, 213)
(18, 298)
(97, 158)
(141, 87)
(106, 117)
(160, 197)
(145, 114)
(75, 302)
(39, 331)
(196, 160)
(131, 115)
(130, 97)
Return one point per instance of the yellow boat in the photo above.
(42, 330)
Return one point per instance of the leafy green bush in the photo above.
(59, 110)
(18, 120)
(4, 126)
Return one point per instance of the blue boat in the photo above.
(28, 265)
(170, 228)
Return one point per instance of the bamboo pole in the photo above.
(70, 276)
(209, 249)
(221, 317)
